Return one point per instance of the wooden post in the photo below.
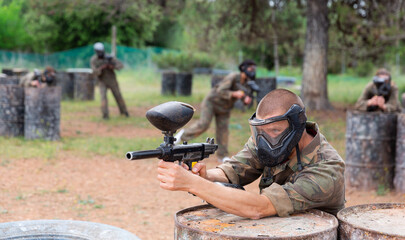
(114, 41)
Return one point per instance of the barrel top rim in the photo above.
(357, 112)
(115, 231)
(303, 236)
(367, 206)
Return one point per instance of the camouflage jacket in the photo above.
(106, 74)
(392, 103)
(320, 184)
(221, 94)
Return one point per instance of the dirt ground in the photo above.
(107, 190)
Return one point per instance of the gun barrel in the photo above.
(144, 154)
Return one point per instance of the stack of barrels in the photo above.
(35, 112)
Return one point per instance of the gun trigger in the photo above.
(193, 164)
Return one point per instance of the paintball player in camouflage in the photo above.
(299, 169)
(103, 66)
(39, 79)
(379, 95)
(219, 103)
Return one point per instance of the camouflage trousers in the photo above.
(113, 85)
(200, 126)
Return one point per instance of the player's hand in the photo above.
(173, 176)
(35, 83)
(373, 101)
(200, 169)
(381, 102)
(247, 100)
(238, 94)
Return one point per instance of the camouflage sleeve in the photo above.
(117, 64)
(25, 81)
(94, 66)
(243, 168)
(224, 89)
(361, 103)
(319, 185)
(393, 105)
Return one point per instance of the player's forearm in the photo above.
(217, 175)
(231, 200)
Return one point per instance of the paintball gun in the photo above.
(168, 117)
(251, 88)
(108, 59)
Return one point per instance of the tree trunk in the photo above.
(314, 90)
(275, 44)
(276, 58)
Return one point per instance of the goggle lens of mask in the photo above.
(275, 129)
(274, 132)
(377, 79)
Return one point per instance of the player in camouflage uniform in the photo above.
(380, 95)
(39, 79)
(103, 66)
(219, 103)
(299, 169)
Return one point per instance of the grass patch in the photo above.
(19, 148)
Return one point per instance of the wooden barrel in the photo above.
(207, 222)
(370, 150)
(62, 230)
(83, 80)
(372, 221)
(18, 72)
(9, 80)
(42, 113)
(184, 83)
(168, 84)
(7, 71)
(11, 110)
(399, 179)
(266, 85)
(65, 81)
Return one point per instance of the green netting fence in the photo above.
(77, 58)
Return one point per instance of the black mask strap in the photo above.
(298, 158)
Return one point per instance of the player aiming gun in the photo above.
(382, 89)
(169, 117)
(251, 88)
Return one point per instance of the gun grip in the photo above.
(191, 165)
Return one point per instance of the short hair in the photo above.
(383, 71)
(247, 62)
(49, 69)
(277, 101)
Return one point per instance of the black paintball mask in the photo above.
(49, 77)
(383, 85)
(243, 67)
(276, 137)
(100, 54)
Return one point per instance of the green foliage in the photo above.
(183, 61)
(63, 24)
(12, 32)
(363, 69)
